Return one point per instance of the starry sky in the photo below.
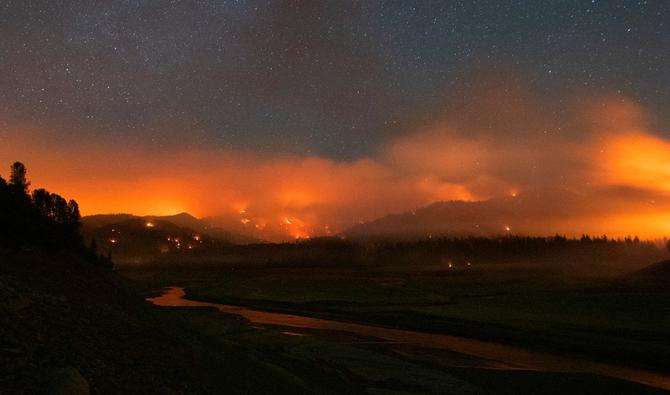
(329, 85)
(331, 78)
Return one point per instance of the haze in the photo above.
(315, 118)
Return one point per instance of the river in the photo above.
(505, 356)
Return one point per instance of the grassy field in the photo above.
(607, 318)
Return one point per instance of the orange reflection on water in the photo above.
(505, 357)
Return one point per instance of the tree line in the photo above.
(459, 251)
(38, 217)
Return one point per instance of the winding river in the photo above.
(505, 357)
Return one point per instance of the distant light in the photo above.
(196, 237)
(113, 241)
(507, 228)
(150, 225)
(451, 265)
(245, 221)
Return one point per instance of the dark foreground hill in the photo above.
(657, 273)
(67, 326)
(70, 325)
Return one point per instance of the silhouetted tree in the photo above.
(41, 218)
(17, 178)
(43, 202)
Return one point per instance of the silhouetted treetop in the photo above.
(39, 218)
(17, 178)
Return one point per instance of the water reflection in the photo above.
(506, 357)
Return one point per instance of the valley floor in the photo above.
(610, 320)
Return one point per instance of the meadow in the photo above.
(612, 317)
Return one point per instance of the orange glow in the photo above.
(638, 160)
(611, 175)
(295, 199)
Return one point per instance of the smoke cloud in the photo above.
(592, 164)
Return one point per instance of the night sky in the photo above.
(310, 77)
(335, 112)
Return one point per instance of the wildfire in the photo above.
(299, 234)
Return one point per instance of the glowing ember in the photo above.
(149, 224)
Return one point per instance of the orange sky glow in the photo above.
(616, 168)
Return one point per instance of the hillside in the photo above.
(137, 239)
(95, 225)
(514, 214)
(69, 324)
(62, 316)
(441, 218)
(658, 273)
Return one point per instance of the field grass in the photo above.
(339, 362)
(604, 318)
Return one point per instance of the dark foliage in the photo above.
(514, 249)
(40, 219)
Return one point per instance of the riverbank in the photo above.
(604, 320)
(502, 356)
(67, 326)
(482, 304)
